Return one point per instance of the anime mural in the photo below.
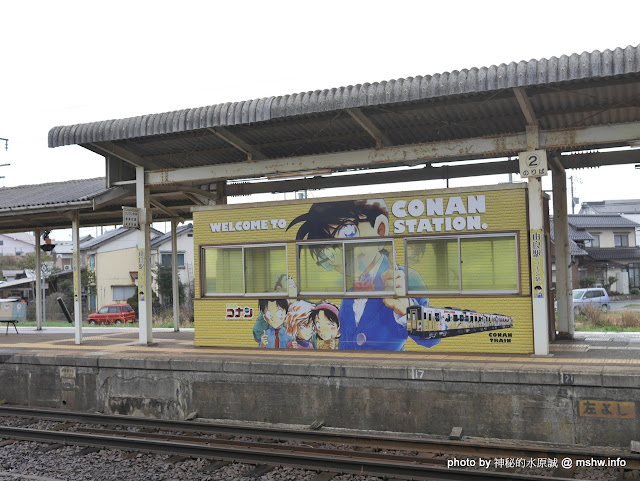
(376, 273)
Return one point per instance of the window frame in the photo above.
(257, 295)
(595, 242)
(514, 235)
(344, 293)
(170, 254)
(621, 236)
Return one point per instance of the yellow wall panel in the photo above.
(230, 322)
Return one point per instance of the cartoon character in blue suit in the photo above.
(268, 331)
(369, 322)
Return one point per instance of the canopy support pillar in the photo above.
(145, 330)
(77, 276)
(175, 280)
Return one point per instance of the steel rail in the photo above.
(263, 445)
(405, 443)
(340, 461)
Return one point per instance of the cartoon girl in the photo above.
(325, 318)
(299, 325)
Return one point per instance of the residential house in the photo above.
(113, 257)
(17, 284)
(63, 253)
(612, 249)
(161, 255)
(630, 209)
(18, 244)
(577, 238)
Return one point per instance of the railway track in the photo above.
(375, 455)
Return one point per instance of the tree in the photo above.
(29, 261)
(165, 285)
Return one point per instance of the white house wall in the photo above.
(12, 247)
(184, 244)
(635, 218)
(607, 235)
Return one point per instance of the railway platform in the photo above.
(587, 391)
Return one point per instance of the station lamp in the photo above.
(47, 246)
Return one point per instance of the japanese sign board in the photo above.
(130, 218)
(142, 275)
(607, 409)
(533, 163)
(537, 263)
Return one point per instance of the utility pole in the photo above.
(6, 147)
(574, 200)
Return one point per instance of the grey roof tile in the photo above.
(630, 206)
(182, 229)
(607, 253)
(602, 221)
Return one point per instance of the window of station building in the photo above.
(345, 267)
(243, 270)
(463, 264)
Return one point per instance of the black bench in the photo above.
(9, 321)
(12, 312)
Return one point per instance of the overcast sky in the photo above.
(71, 62)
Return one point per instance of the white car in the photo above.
(593, 296)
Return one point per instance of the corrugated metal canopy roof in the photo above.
(47, 206)
(53, 193)
(579, 90)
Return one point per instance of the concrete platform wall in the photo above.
(518, 402)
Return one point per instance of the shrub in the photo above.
(164, 316)
(627, 319)
(595, 315)
(635, 291)
(53, 312)
(587, 282)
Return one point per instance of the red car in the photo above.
(113, 314)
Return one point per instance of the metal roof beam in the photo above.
(208, 194)
(426, 173)
(195, 199)
(599, 159)
(109, 148)
(525, 105)
(166, 210)
(238, 143)
(113, 195)
(366, 123)
(464, 149)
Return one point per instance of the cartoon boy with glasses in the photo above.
(372, 322)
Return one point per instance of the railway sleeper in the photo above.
(214, 466)
(259, 470)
